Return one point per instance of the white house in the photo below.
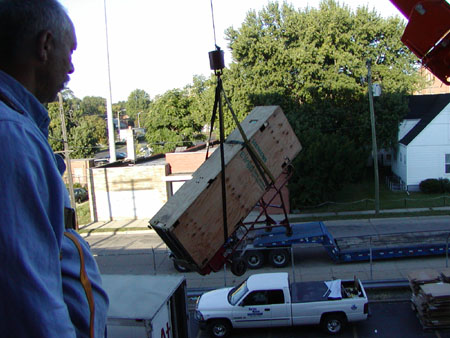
(424, 141)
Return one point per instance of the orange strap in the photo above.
(85, 282)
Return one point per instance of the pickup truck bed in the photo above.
(304, 292)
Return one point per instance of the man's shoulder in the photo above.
(11, 121)
(20, 137)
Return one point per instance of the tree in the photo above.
(138, 101)
(93, 105)
(82, 140)
(84, 131)
(55, 137)
(173, 121)
(98, 126)
(312, 63)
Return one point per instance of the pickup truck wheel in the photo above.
(219, 328)
(333, 323)
(279, 258)
(254, 259)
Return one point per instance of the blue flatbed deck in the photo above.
(355, 248)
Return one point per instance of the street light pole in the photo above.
(118, 122)
(139, 121)
(112, 143)
(374, 137)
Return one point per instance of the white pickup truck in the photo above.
(268, 300)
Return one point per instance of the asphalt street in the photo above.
(145, 253)
(387, 320)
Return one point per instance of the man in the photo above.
(41, 292)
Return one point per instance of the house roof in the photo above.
(425, 108)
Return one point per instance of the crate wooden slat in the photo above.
(191, 221)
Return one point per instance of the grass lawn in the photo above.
(83, 213)
(361, 196)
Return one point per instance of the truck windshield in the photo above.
(237, 293)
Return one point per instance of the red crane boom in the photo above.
(427, 33)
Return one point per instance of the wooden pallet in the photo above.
(191, 222)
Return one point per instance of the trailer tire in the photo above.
(219, 328)
(254, 259)
(333, 323)
(279, 258)
(238, 267)
(180, 268)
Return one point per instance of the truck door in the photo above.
(281, 312)
(253, 311)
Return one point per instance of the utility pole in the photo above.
(112, 142)
(374, 137)
(66, 151)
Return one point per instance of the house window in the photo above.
(447, 163)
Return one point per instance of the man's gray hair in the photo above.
(21, 21)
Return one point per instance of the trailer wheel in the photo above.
(254, 259)
(180, 268)
(238, 267)
(219, 328)
(279, 258)
(333, 323)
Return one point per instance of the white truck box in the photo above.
(146, 306)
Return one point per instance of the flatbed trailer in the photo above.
(276, 244)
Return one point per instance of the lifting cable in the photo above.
(217, 64)
(259, 163)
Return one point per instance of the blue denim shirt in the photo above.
(40, 292)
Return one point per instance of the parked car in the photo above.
(119, 156)
(105, 160)
(81, 195)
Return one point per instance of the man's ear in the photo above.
(44, 45)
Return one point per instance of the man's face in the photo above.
(59, 66)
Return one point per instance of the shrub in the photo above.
(435, 186)
(445, 184)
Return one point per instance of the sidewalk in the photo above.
(132, 225)
(116, 226)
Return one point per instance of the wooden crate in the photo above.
(191, 222)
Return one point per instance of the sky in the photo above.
(158, 45)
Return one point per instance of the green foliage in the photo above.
(138, 101)
(93, 105)
(55, 132)
(82, 141)
(312, 62)
(324, 167)
(434, 186)
(174, 120)
(85, 129)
